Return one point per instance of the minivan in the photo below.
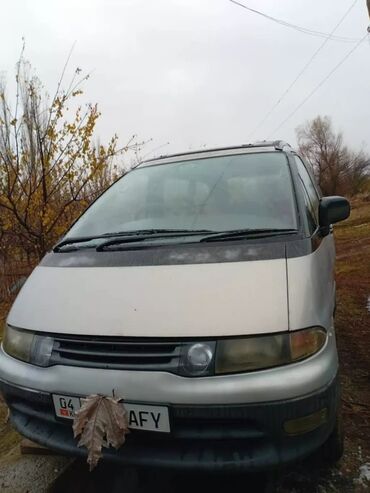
(200, 289)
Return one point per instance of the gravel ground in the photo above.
(29, 473)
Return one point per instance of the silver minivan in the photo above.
(199, 288)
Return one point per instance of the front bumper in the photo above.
(204, 437)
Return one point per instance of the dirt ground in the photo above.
(352, 474)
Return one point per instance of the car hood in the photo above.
(200, 300)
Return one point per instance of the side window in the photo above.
(310, 195)
(311, 219)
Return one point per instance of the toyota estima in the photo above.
(200, 289)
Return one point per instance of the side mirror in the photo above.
(332, 210)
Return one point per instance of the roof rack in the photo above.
(279, 145)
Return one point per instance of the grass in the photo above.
(353, 321)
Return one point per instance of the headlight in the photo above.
(256, 353)
(28, 346)
(197, 359)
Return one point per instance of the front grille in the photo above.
(117, 353)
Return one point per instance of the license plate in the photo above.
(140, 416)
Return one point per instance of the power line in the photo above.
(301, 29)
(286, 92)
(320, 85)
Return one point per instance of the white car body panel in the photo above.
(312, 287)
(200, 300)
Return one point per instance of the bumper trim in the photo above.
(20, 388)
(219, 437)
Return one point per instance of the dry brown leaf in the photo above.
(100, 422)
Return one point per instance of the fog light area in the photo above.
(307, 423)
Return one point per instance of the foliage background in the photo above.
(52, 166)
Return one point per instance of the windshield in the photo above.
(248, 191)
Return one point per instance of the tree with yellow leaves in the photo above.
(50, 164)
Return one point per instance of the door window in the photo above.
(310, 194)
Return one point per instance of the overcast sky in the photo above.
(197, 72)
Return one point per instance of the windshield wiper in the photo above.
(121, 237)
(137, 235)
(153, 234)
(209, 236)
(237, 234)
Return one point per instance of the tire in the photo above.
(332, 450)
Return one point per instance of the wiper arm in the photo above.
(76, 239)
(137, 235)
(244, 233)
(83, 239)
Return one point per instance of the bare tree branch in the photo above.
(337, 168)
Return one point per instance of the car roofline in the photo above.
(264, 146)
